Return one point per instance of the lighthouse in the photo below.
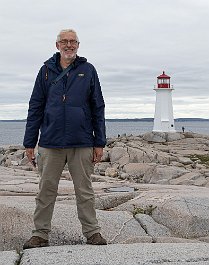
(163, 121)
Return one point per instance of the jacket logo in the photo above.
(81, 75)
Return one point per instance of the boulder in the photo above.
(135, 155)
(156, 137)
(111, 172)
(162, 172)
(187, 179)
(140, 171)
(144, 155)
(101, 167)
(119, 154)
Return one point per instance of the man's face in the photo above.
(68, 45)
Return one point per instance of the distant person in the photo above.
(183, 129)
(67, 107)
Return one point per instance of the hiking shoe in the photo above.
(96, 239)
(36, 242)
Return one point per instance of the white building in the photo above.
(163, 121)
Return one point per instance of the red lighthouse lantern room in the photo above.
(163, 81)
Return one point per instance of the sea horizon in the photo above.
(125, 119)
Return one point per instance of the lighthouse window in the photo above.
(165, 81)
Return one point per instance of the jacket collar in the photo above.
(53, 63)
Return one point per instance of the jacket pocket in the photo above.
(75, 119)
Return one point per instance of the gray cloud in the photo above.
(129, 42)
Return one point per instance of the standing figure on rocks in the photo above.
(67, 107)
(183, 129)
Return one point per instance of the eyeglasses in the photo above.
(65, 42)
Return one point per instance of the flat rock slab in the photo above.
(121, 254)
(16, 224)
(8, 258)
(117, 226)
(182, 209)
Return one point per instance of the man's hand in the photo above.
(98, 153)
(31, 156)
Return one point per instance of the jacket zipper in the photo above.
(63, 100)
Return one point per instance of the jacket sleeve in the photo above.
(97, 110)
(35, 111)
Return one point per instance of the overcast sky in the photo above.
(130, 42)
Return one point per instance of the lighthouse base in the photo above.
(163, 126)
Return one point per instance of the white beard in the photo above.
(68, 56)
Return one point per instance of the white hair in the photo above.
(66, 30)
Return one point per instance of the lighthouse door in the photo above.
(165, 126)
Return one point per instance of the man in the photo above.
(69, 112)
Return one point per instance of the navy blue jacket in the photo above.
(69, 113)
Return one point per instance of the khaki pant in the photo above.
(50, 165)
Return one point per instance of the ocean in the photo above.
(12, 133)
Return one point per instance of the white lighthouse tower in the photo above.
(163, 121)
